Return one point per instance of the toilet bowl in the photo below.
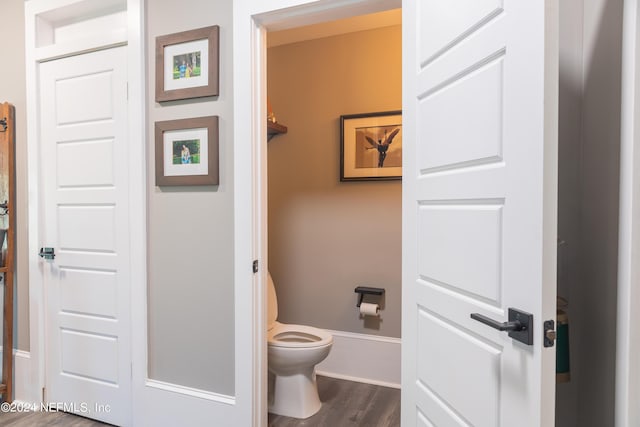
(293, 353)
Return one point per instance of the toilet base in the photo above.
(295, 395)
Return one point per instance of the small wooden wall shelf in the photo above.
(7, 222)
(274, 129)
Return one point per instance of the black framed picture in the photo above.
(371, 146)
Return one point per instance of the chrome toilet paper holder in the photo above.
(367, 290)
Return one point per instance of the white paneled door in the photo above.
(479, 221)
(85, 221)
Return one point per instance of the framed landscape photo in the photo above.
(187, 152)
(187, 64)
(371, 146)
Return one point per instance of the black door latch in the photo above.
(47, 253)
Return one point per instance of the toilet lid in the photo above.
(292, 336)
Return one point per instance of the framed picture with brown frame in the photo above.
(371, 146)
(187, 64)
(187, 152)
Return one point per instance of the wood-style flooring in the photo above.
(344, 404)
(349, 404)
(46, 419)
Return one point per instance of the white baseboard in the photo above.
(370, 359)
(21, 375)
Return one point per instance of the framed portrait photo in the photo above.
(187, 152)
(371, 146)
(187, 64)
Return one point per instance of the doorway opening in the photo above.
(327, 236)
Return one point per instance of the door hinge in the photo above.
(43, 395)
(255, 265)
(549, 333)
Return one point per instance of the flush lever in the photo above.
(519, 326)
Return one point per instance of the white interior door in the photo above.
(479, 231)
(83, 102)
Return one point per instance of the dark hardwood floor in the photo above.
(344, 404)
(46, 419)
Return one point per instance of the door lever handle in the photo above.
(519, 326)
(516, 325)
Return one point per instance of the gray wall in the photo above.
(599, 206)
(325, 236)
(591, 35)
(191, 334)
(569, 143)
(13, 90)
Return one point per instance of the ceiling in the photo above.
(334, 28)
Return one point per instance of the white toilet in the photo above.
(294, 351)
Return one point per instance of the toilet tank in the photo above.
(272, 302)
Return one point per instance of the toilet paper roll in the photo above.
(369, 309)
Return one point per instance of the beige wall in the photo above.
(191, 333)
(13, 90)
(325, 236)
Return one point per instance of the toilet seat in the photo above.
(297, 336)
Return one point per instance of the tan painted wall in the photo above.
(325, 236)
(190, 252)
(13, 90)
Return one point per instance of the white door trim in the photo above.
(138, 196)
(35, 54)
(627, 412)
(251, 21)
